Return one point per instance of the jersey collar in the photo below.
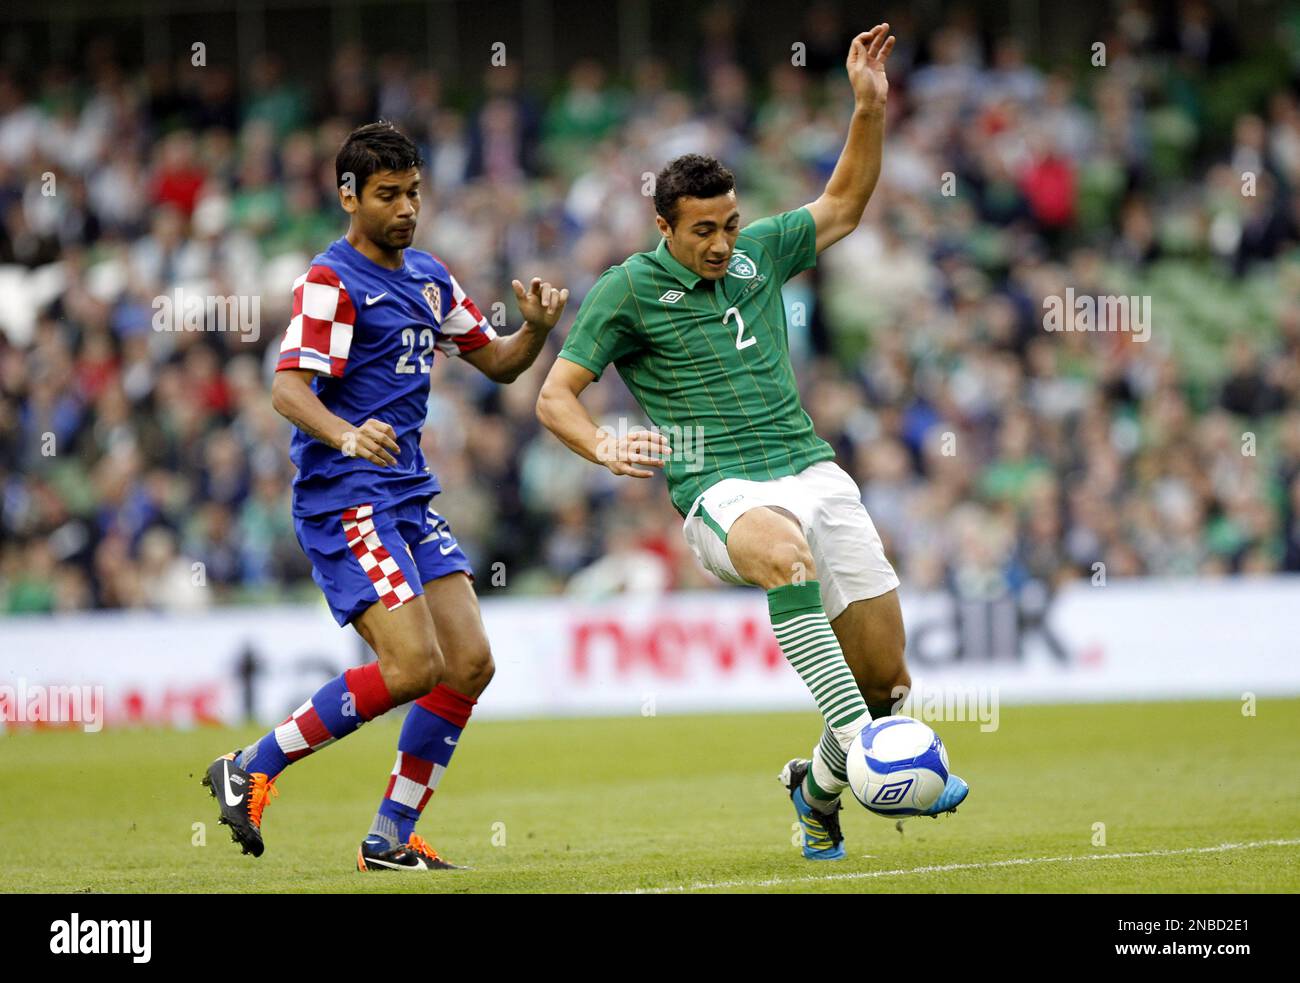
(669, 262)
(363, 260)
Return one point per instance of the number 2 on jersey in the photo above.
(741, 342)
(405, 367)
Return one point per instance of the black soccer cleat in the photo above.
(241, 797)
(415, 854)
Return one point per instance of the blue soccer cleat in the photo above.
(954, 794)
(822, 839)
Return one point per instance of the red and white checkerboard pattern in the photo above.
(464, 328)
(390, 583)
(319, 335)
(302, 733)
(413, 781)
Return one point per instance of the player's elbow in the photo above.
(847, 220)
(289, 389)
(542, 409)
(840, 216)
(547, 400)
(280, 392)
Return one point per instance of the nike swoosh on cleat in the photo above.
(370, 300)
(392, 866)
(225, 785)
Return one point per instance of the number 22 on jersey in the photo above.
(404, 365)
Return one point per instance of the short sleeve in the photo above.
(604, 330)
(464, 329)
(789, 239)
(319, 335)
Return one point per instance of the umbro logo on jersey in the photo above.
(672, 296)
(370, 300)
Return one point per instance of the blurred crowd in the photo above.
(145, 468)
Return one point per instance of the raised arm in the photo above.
(561, 412)
(839, 209)
(503, 359)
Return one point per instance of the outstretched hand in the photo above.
(866, 66)
(542, 304)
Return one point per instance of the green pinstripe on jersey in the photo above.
(709, 361)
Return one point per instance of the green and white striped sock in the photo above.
(810, 645)
(827, 777)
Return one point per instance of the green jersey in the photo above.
(709, 360)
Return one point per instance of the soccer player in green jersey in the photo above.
(696, 329)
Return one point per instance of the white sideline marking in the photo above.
(944, 868)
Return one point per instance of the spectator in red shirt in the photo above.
(178, 180)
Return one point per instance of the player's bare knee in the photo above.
(409, 682)
(402, 684)
(471, 671)
(411, 667)
(791, 563)
(429, 673)
(485, 669)
(479, 673)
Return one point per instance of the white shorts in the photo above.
(846, 548)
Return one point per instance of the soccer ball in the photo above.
(897, 766)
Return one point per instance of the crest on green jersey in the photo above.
(741, 266)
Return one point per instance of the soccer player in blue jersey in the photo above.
(352, 377)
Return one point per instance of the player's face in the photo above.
(389, 207)
(704, 234)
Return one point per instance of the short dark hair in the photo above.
(692, 176)
(375, 147)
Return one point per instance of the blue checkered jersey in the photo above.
(370, 334)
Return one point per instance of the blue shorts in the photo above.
(360, 556)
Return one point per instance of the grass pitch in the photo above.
(1194, 797)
